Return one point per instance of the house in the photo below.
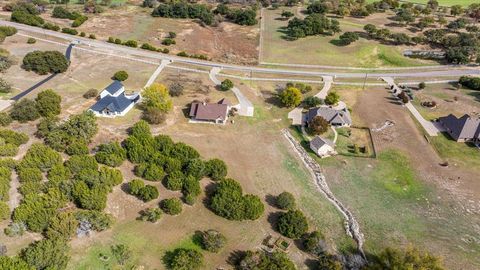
(322, 147)
(463, 129)
(210, 112)
(114, 102)
(335, 117)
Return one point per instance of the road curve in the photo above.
(453, 72)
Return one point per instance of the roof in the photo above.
(114, 87)
(209, 111)
(465, 127)
(317, 142)
(114, 104)
(335, 117)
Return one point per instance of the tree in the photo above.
(400, 38)
(183, 259)
(154, 115)
(5, 87)
(175, 90)
(432, 4)
(121, 253)
(405, 16)
(63, 225)
(318, 125)
(456, 10)
(226, 85)
(291, 97)
(317, 7)
(4, 211)
(330, 262)
(111, 154)
(5, 119)
(260, 260)
(314, 243)
(174, 180)
(312, 101)
(24, 110)
(213, 240)
(292, 224)
(287, 14)
(47, 254)
(286, 201)
(332, 98)
(121, 75)
(91, 93)
(77, 147)
(422, 85)
(470, 82)
(171, 206)
(216, 169)
(48, 103)
(45, 62)
(348, 37)
(157, 96)
(13, 263)
(135, 186)
(411, 258)
(151, 214)
(148, 193)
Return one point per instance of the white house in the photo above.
(322, 147)
(114, 102)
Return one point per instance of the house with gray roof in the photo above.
(114, 102)
(463, 129)
(210, 112)
(335, 117)
(322, 147)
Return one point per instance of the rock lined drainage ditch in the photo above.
(352, 227)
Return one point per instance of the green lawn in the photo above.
(462, 153)
(320, 50)
(447, 3)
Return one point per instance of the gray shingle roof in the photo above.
(114, 87)
(463, 128)
(114, 104)
(318, 142)
(334, 117)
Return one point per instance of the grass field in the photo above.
(463, 154)
(320, 50)
(447, 3)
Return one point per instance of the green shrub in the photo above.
(168, 42)
(69, 31)
(216, 169)
(44, 62)
(148, 193)
(77, 147)
(78, 163)
(111, 154)
(41, 156)
(135, 186)
(48, 103)
(226, 85)
(63, 225)
(50, 26)
(91, 93)
(174, 181)
(15, 229)
(8, 150)
(470, 82)
(196, 168)
(147, 46)
(12, 137)
(61, 12)
(314, 243)
(213, 240)
(4, 211)
(121, 75)
(31, 41)
(8, 30)
(148, 171)
(182, 258)
(24, 110)
(5, 119)
(286, 201)
(98, 220)
(79, 21)
(23, 17)
(82, 34)
(151, 214)
(29, 174)
(292, 224)
(131, 43)
(47, 254)
(171, 206)
(92, 36)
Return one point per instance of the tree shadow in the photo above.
(125, 188)
(311, 264)
(197, 238)
(271, 200)
(235, 257)
(209, 190)
(337, 42)
(272, 219)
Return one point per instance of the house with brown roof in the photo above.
(463, 129)
(216, 113)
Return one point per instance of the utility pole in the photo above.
(365, 81)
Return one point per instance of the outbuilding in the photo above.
(322, 147)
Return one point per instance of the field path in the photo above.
(352, 226)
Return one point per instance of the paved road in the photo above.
(68, 55)
(453, 72)
(327, 83)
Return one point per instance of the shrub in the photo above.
(77, 147)
(262, 260)
(312, 101)
(5, 119)
(91, 93)
(171, 206)
(148, 193)
(121, 75)
(226, 85)
(212, 240)
(168, 42)
(291, 97)
(24, 17)
(13, 263)
(61, 12)
(45, 62)
(4, 211)
(121, 253)
(69, 31)
(182, 258)
(191, 186)
(98, 221)
(50, 26)
(422, 85)
(175, 90)
(348, 38)
(149, 171)
(92, 36)
(47, 254)
(135, 186)
(151, 214)
(5, 87)
(111, 154)
(154, 116)
(216, 169)
(318, 125)
(196, 168)
(24, 110)
(157, 96)
(79, 21)
(292, 224)
(31, 41)
(314, 243)
(41, 156)
(286, 201)
(82, 34)
(405, 259)
(63, 225)
(470, 82)
(147, 46)
(174, 181)
(48, 103)
(172, 34)
(8, 30)
(130, 43)
(15, 229)
(332, 98)
(12, 137)
(26, 174)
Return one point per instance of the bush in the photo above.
(92, 36)
(61, 12)
(182, 258)
(312, 101)
(421, 85)
(291, 97)
(213, 240)
(314, 243)
(262, 261)
(292, 224)
(24, 17)
(50, 26)
(63, 225)
(79, 21)
(151, 214)
(24, 110)
(79, 163)
(174, 181)
(29, 174)
(171, 206)
(470, 82)
(8, 30)
(226, 85)
(168, 42)
(77, 147)
(12, 137)
(131, 43)
(286, 201)
(332, 98)
(91, 93)
(5, 87)
(5, 119)
(121, 75)
(98, 221)
(149, 171)
(31, 41)
(47, 254)
(135, 186)
(69, 31)
(154, 116)
(175, 90)
(216, 169)
(111, 154)
(48, 103)
(45, 62)
(4, 211)
(148, 193)
(82, 34)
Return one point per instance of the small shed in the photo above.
(322, 147)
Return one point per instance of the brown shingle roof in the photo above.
(209, 111)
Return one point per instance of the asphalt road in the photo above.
(89, 43)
